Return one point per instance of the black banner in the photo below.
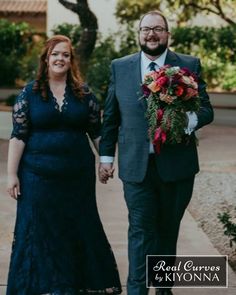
(187, 271)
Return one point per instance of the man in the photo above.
(157, 188)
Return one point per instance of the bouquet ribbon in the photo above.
(160, 134)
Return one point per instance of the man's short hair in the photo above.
(155, 12)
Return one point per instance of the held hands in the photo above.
(105, 171)
(13, 186)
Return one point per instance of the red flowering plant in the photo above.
(170, 93)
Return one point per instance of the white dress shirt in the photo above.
(160, 61)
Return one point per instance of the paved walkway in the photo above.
(217, 144)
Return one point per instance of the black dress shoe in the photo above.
(163, 292)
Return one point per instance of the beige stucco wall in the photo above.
(103, 9)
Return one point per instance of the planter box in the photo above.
(223, 99)
(6, 92)
(4, 108)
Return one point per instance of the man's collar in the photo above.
(160, 61)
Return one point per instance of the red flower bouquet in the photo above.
(170, 93)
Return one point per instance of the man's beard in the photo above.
(155, 51)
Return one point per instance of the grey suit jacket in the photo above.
(124, 121)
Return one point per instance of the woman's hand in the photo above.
(15, 151)
(13, 186)
(105, 171)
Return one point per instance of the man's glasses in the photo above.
(156, 30)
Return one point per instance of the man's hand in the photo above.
(105, 171)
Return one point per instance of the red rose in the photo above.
(162, 81)
(190, 92)
(179, 90)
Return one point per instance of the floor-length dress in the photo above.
(59, 243)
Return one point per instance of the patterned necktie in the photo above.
(152, 66)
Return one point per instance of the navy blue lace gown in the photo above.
(59, 243)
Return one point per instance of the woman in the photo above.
(59, 244)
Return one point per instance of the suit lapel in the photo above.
(171, 59)
(135, 68)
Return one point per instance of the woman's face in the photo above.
(59, 60)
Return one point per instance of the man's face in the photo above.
(153, 42)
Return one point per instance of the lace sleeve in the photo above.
(94, 124)
(20, 117)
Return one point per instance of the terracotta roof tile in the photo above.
(23, 7)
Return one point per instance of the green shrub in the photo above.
(30, 62)
(11, 100)
(98, 74)
(229, 225)
(15, 40)
(69, 30)
(9, 69)
(215, 47)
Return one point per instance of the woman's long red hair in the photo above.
(73, 76)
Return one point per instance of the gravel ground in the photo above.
(215, 186)
(214, 193)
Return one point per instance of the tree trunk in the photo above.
(89, 25)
